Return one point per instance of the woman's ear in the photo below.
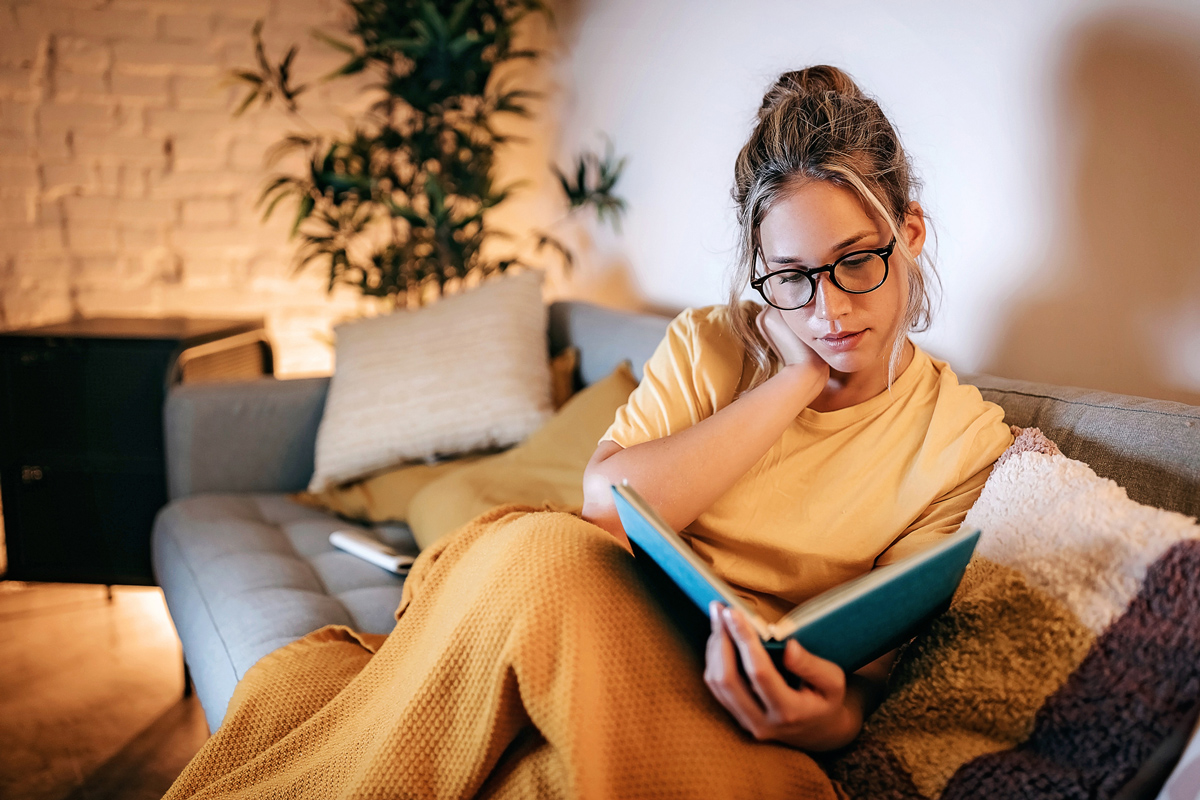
(913, 228)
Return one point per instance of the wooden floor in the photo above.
(91, 691)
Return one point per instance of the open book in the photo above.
(851, 624)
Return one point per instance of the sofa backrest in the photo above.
(604, 337)
(259, 435)
(1149, 447)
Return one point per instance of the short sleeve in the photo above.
(985, 440)
(943, 517)
(693, 372)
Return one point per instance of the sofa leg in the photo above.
(187, 680)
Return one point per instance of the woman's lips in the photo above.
(840, 342)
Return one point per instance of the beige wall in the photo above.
(1059, 144)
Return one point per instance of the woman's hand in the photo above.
(818, 716)
(792, 351)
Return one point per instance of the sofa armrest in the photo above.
(245, 436)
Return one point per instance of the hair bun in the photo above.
(815, 80)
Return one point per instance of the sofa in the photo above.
(245, 570)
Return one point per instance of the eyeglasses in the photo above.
(857, 273)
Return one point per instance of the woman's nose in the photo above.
(831, 302)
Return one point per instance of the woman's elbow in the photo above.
(598, 505)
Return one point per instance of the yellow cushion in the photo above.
(545, 469)
(383, 497)
(562, 376)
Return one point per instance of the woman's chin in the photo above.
(844, 363)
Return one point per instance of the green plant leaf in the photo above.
(460, 45)
(408, 214)
(235, 76)
(555, 244)
(305, 208)
(336, 44)
(407, 188)
(458, 14)
(351, 67)
(271, 206)
(245, 104)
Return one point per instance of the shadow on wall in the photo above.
(1117, 299)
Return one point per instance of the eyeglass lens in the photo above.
(793, 288)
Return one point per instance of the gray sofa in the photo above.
(245, 570)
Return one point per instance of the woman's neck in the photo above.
(845, 389)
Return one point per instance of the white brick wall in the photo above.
(127, 188)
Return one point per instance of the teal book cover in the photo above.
(850, 625)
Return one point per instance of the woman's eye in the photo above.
(791, 277)
(857, 261)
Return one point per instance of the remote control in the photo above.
(359, 544)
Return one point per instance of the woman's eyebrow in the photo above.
(858, 237)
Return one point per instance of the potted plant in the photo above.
(397, 206)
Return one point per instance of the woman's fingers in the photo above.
(762, 330)
(823, 676)
(784, 341)
(764, 678)
(767, 321)
(721, 675)
(768, 708)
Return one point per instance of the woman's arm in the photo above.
(683, 474)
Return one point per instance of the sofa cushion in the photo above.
(244, 574)
(470, 372)
(382, 497)
(547, 468)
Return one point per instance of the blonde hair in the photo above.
(815, 124)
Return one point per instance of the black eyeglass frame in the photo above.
(883, 252)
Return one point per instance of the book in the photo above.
(851, 624)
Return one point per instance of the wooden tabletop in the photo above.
(186, 330)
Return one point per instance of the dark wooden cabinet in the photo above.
(82, 466)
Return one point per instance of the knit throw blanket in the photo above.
(1069, 654)
(528, 660)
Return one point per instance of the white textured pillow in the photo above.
(1072, 534)
(469, 372)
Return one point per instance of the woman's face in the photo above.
(815, 225)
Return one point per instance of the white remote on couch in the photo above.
(359, 544)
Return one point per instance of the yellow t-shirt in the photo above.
(841, 491)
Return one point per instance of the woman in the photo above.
(796, 445)
(847, 446)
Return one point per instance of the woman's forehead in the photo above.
(815, 219)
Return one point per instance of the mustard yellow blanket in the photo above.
(527, 661)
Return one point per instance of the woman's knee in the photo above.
(558, 545)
